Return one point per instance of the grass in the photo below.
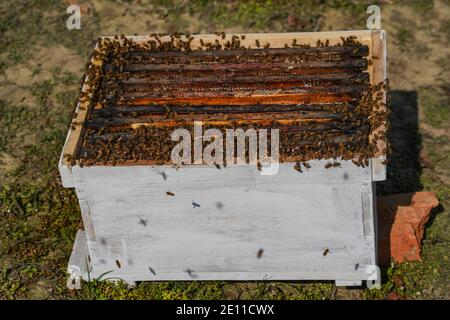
(436, 106)
(39, 218)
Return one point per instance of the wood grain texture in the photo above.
(378, 72)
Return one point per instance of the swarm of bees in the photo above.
(134, 93)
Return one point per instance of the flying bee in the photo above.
(259, 253)
(152, 271)
(164, 175)
(325, 252)
(190, 273)
(170, 193)
(219, 205)
(118, 264)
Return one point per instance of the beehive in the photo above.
(146, 219)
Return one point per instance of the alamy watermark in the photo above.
(74, 20)
(374, 20)
(221, 150)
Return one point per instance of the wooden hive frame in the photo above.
(84, 180)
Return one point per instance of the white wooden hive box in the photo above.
(231, 223)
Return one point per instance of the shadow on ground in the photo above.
(403, 169)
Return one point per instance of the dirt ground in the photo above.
(41, 63)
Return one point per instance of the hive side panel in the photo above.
(218, 220)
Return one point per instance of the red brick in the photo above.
(401, 225)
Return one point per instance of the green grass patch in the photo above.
(436, 107)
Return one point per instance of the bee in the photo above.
(259, 253)
(217, 166)
(257, 43)
(118, 264)
(361, 160)
(152, 271)
(267, 46)
(143, 222)
(164, 175)
(243, 37)
(336, 164)
(328, 165)
(164, 16)
(298, 167)
(259, 166)
(195, 205)
(325, 252)
(170, 193)
(190, 273)
(306, 165)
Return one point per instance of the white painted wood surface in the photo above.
(293, 217)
